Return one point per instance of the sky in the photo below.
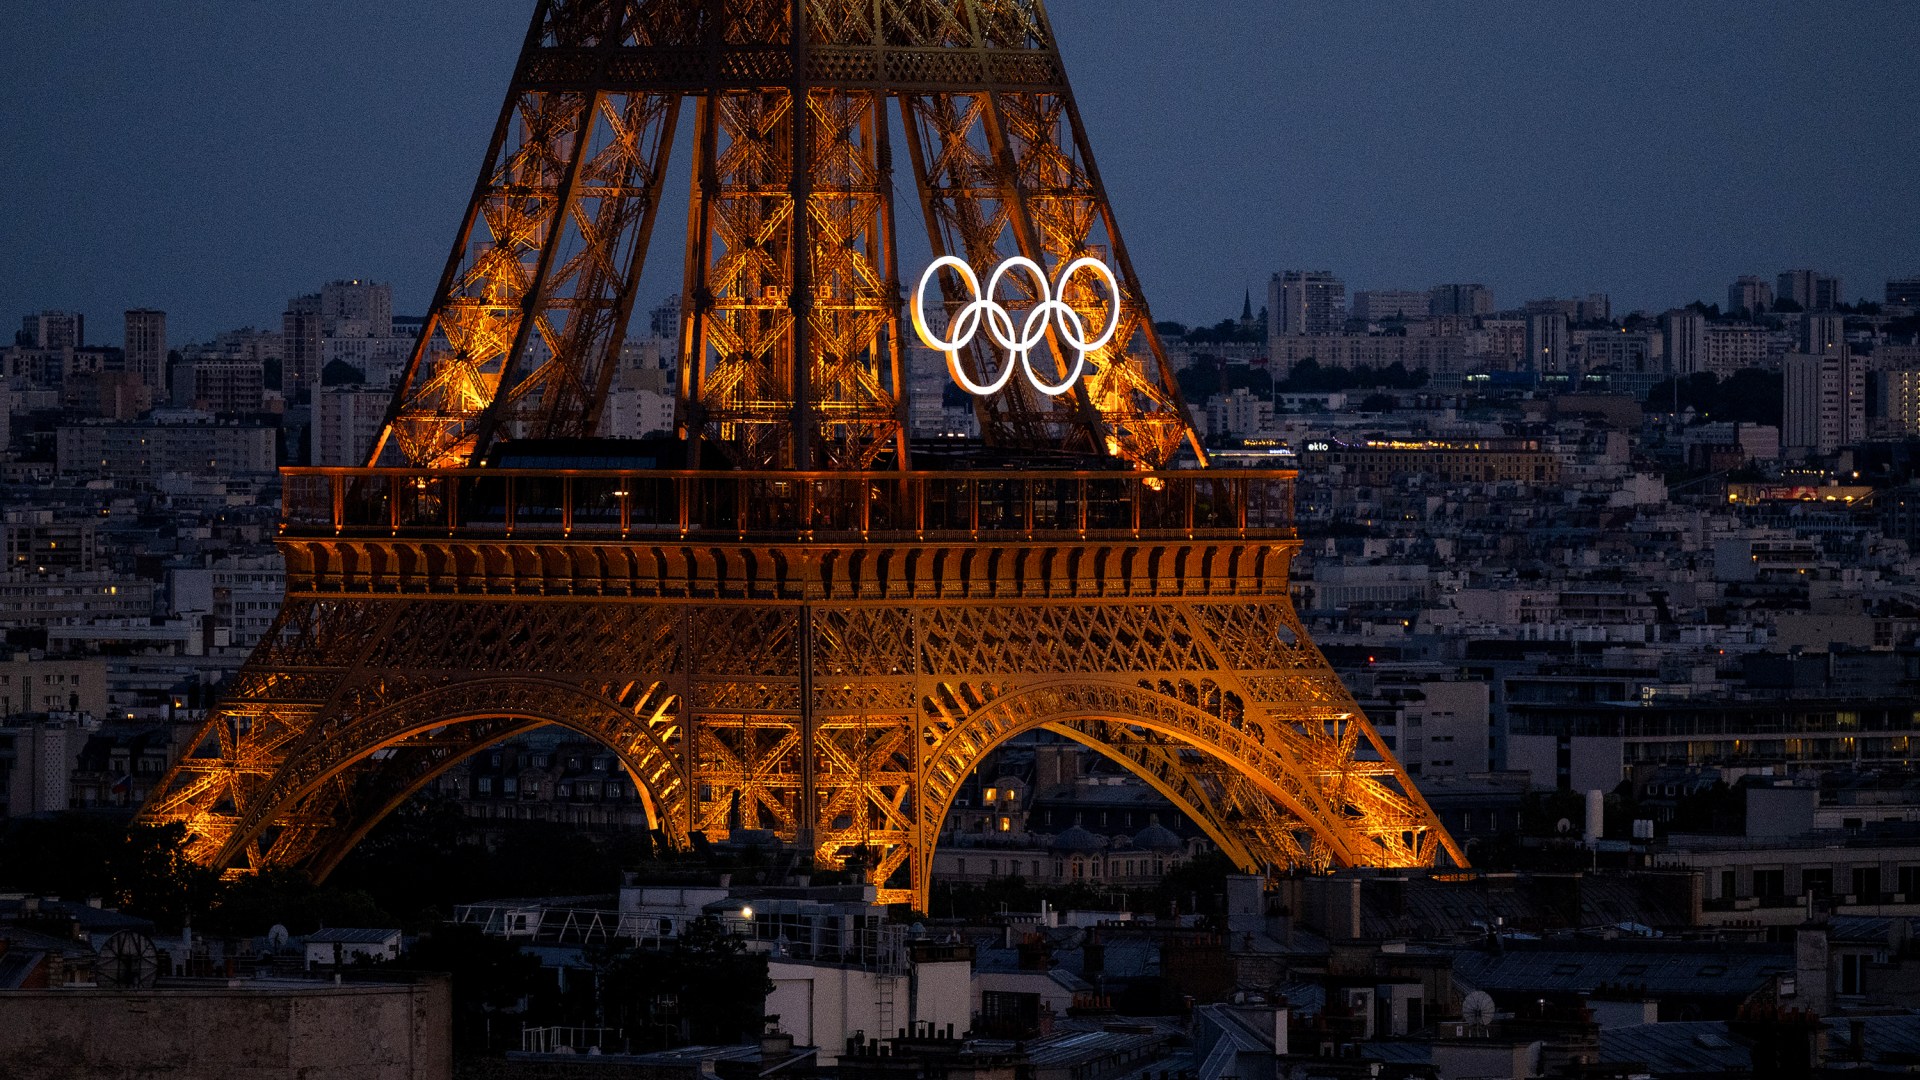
(215, 157)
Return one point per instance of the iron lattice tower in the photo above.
(797, 630)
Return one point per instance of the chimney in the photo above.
(775, 1045)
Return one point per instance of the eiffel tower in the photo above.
(789, 616)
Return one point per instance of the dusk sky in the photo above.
(213, 158)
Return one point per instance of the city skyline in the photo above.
(1453, 674)
(1661, 172)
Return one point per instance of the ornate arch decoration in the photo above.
(1297, 803)
(289, 819)
(410, 770)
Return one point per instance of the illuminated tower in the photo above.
(786, 619)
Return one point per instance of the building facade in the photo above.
(1306, 302)
(145, 346)
(1825, 402)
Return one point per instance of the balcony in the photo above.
(790, 507)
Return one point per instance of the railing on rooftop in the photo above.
(786, 506)
(878, 947)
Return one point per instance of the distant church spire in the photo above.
(1246, 309)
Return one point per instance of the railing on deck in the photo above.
(533, 503)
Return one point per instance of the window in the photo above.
(485, 785)
(1910, 882)
(1770, 884)
(1818, 882)
(1852, 969)
(1727, 890)
(1866, 883)
(1005, 1007)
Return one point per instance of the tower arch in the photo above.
(306, 814)
(1263, 804)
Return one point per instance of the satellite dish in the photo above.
(1563, 826)
(1477, 1011)
(127, 960)
(277, 935)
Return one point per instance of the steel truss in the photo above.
(791, 339)
(810, 636)
(829, 675)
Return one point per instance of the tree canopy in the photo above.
(1748, 396)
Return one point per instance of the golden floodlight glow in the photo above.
(841, 620)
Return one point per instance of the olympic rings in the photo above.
(1051, 311)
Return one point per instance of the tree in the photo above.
(1748, 396)
(252, 904)
(141, 869)
(706, 989)
(489, 974)
(1197, 886)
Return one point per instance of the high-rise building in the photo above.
(1460, 300)
(54, 330)
(1822, 334)
(1900, 401)
(1904, 294)
(146, 346)
(356, 309)
(1379, 305)
(1306, 302)
(1733, 346)
(1547, 342)
(1813, 291)
(347, 419)
(663, 321)
(219, 385)
(1825, 402)
(300, 350)
(1619, 350)
(1750, 293)
(1686, 334)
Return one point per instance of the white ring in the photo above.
(1051, 311)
